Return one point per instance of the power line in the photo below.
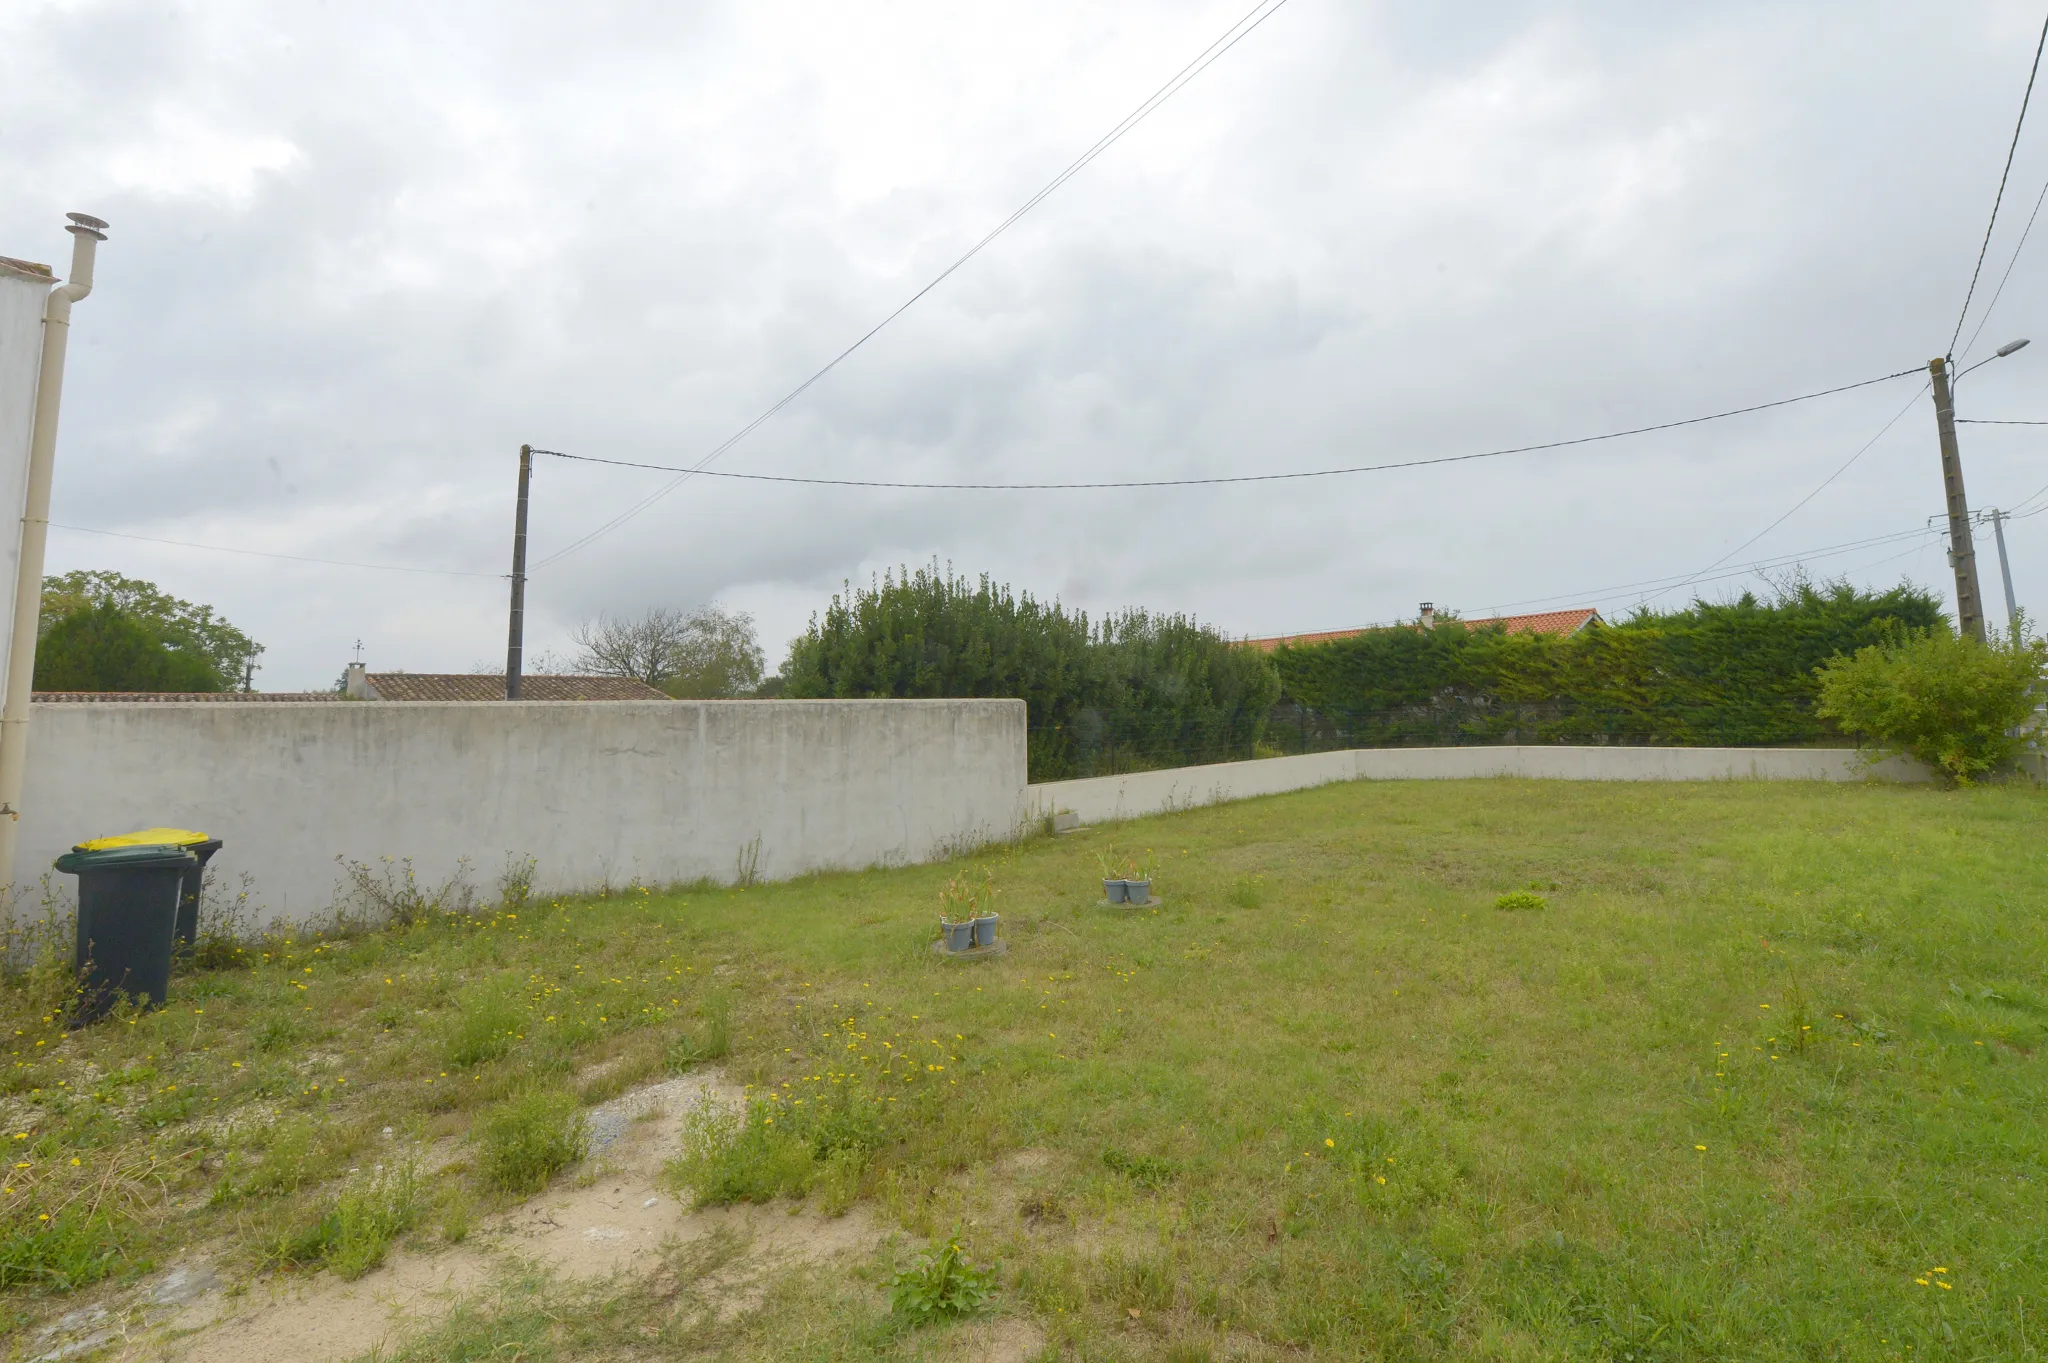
(2003, 176)
(258, 553)
(1732, 570)
(1229, 478)
(1999, 292)
(1986, 421)
(1824, 483)
(1235, 34)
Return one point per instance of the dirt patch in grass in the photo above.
(611, 1217)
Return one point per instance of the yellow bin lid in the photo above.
(148, 837)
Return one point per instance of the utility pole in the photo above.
(515, 643)
(1962, 553)
(2012, 606)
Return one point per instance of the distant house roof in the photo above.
(485, 686)
(145, 697)
(1542, 622)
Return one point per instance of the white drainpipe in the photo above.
(86, 236)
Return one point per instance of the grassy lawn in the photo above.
(1762, 1079)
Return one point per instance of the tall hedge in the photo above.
(1734, 673)
(1136, 690)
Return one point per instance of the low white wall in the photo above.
(1101, 799)
(653, 792)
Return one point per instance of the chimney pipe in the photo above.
(1428, 616)
(87, 232)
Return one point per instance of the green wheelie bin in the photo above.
(127, 923)
(198, 844)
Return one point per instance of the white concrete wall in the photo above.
(1104, 798)
(653, 792)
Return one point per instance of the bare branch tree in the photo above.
(701, 654)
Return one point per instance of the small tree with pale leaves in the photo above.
(701, 654)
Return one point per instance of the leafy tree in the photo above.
(184, 628)
(1139, 690)
(1944, 698)
(701, 654)
(103, 648)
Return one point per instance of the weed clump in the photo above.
(712, 1040)
(352, 1234)
(1521, 901)
(527, 1141)
(781, 1149)
(488, 1022)
(940, 1284)
(66, 1223)
(60, 1253)
(1147, 1171)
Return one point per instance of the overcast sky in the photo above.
(360, 252)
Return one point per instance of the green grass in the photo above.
(1768, 1058)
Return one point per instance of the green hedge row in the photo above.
(1737, 673)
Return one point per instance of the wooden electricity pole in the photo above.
(1961, 552)
(515, 641)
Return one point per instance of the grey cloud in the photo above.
(366, 251)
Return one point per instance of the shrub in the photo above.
(1515, 901)
(940, 1284)
(1946, 699)
(528, 1140)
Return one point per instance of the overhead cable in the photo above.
(1236, 33)
(1999, 292)
(1730, 570)
(259, 553)
(1824, 484)
(2002, 178)
(1221, 479)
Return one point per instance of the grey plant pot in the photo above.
(985, 929)
(1114, 890)
(959, 936)
(1138, 891)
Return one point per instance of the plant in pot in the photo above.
(1113, 883)
(984, 908)
(1138, 880)
(956, 915)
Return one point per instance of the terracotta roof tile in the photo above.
(1542, 622)
(409, 686)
